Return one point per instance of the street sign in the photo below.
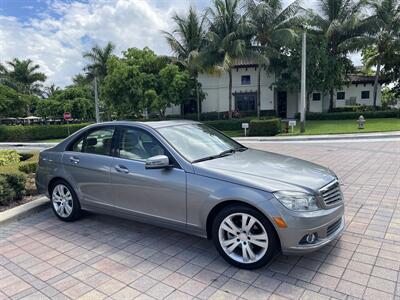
(292, 123)
(67, 116)
(245, 126)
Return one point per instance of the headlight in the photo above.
(297, 201)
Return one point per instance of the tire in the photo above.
(258, 235)
(64, 201)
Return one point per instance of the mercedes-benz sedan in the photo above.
(187, 176)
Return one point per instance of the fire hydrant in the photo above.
(361, 122)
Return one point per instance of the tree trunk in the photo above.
(330, 100)
(197, 99)
(259, 92)
(377, 74)
(230, 93)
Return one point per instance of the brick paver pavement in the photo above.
(104, 257)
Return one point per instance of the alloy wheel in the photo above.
(243, 238)
(62, 200)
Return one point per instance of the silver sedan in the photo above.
(190, 177)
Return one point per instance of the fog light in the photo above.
(310, 238)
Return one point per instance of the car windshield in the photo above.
(198, 142)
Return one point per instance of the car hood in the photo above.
(267, 171)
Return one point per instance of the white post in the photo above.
(303, 85)
(96, 101)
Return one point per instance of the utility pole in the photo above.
(303, 85)
(96, 101)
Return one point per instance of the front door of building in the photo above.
(282, 104)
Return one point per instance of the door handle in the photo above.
(74, 159)
(121, 169)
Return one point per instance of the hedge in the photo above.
(266, 127)
(20, 133)
(357, 108)
(351, 115)
(228, 125)
(213, 116)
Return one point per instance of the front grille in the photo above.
(331, 193)
(333, 227)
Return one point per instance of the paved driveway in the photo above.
(104, 257)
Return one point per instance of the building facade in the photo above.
(285, 103)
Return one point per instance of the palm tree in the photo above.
(98, 58)
(22, 75)
(80, 80)
(97, 69)
(382, 35)
(51, 90)
(186, 41)
(228, 40)
(273, 29)
(338, 21)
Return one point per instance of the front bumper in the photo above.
(327, 224)
(320, 242)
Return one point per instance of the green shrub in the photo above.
(356, 108)
(21, 133)
(351, 115)
(265, 127)
(28, 168)
(12, 187)
(214, 116)
(8, 157)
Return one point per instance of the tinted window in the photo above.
(96, 142)
(340, 95)
(246, 79)
(316, 96)
(365, 95)
(138, 145)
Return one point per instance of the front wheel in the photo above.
(244, 237)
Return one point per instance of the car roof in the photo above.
(152, 124)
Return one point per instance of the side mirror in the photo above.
(157, 162)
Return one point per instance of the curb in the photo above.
(24, 210)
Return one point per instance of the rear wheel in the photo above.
(64, 201)
(244, 237)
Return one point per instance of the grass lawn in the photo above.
(347, 126)
(337, 127)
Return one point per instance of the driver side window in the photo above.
(138, 145)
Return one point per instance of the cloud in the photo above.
(57, 38)
(58, 35)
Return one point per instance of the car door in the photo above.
(87, 162)
(159, 194)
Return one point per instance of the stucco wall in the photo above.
(217, 91)
(354, 90)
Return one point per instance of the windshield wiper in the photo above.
(223, 153)
(241, 149)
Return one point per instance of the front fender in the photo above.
(204, 193)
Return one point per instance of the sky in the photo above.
(55, 33)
